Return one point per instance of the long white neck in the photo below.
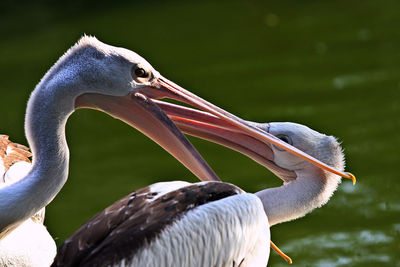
(47, 112)
(297, 198)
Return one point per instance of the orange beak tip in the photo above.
(352, 177)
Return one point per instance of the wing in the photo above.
(229, 232)
(121, 230)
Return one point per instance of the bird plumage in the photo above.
(191, 225)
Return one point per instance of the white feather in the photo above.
(28, 245)
(163, 188)
(16, 172)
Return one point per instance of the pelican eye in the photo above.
(285, 139)
(141, 73)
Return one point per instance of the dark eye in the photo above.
(285, 138)
(141, 73)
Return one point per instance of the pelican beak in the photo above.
(211, 128)
(163, 88)
(141, 113)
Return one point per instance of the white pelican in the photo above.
(209, 223)
(121, 83)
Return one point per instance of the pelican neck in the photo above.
(46, 116)
(298, 197)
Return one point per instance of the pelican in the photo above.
(209, 223)
(117, 81)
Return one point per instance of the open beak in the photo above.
(140, 111)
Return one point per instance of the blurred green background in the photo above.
(331, 65)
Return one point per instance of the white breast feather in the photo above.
(16, 172)
(28, 245)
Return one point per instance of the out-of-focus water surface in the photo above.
(333, 66)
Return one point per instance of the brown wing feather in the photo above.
(11, 153)
(135, 220)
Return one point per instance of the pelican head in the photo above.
(323, 147)
(306, 185)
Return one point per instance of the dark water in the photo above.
(333, 66)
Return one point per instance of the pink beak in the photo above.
(143, 112)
